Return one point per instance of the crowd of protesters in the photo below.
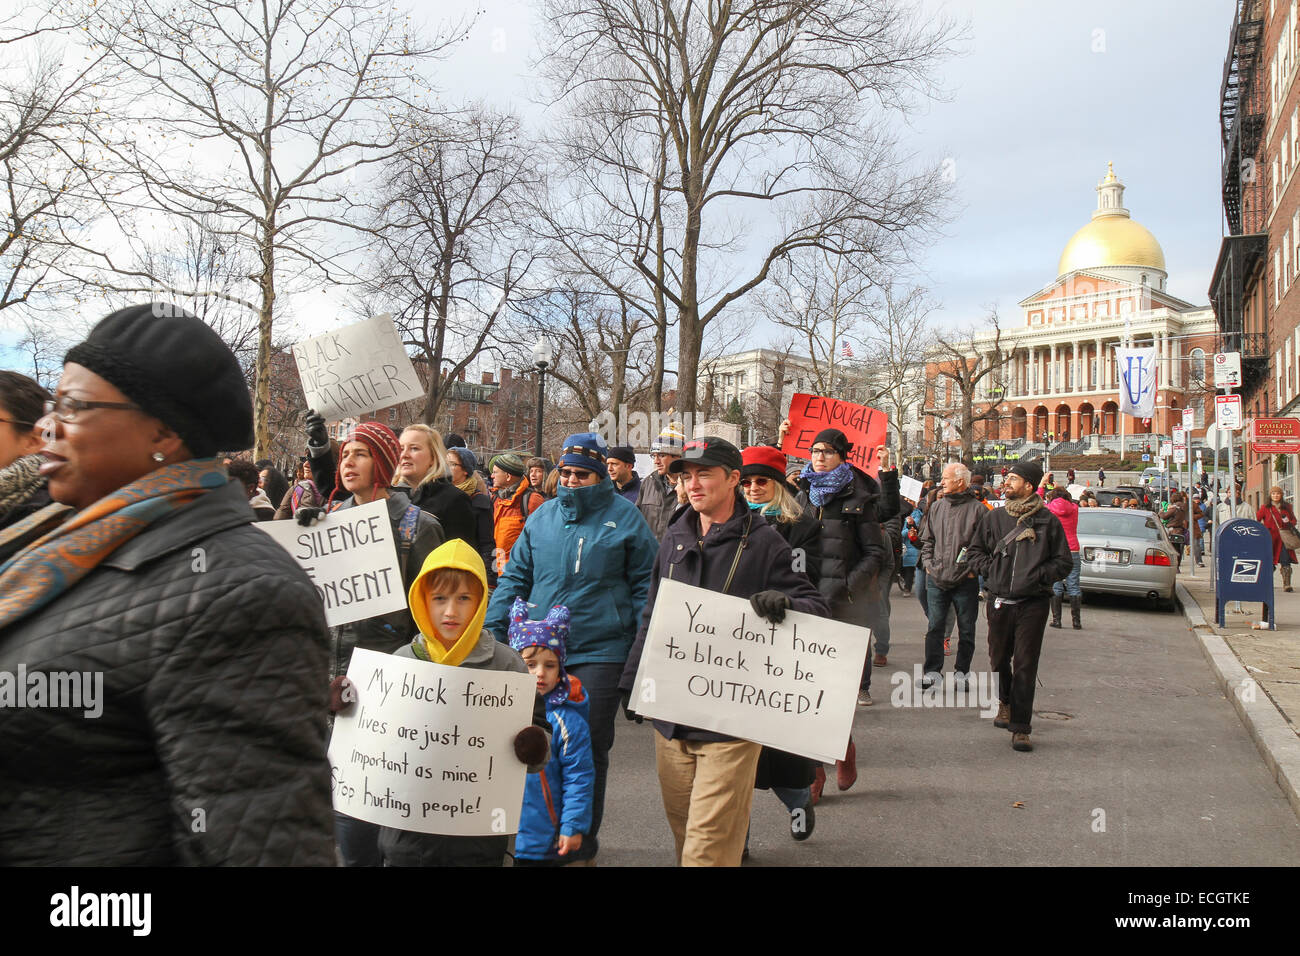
(220, 686)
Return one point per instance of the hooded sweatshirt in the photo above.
(475, 648)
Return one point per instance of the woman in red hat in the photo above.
(762, 477)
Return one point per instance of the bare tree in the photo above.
(262, 114)
(760, 105)
(450, 217)
(897, 337)
(51, 185)
(969, 362)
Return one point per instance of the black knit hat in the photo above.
(836, 439)
(177, 369)
(1031, 471)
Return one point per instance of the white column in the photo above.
(1100, 364)
(1053, 384)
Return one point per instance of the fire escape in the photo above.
(1244, 251)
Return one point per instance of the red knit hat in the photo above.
(763, 460)
(384, 452)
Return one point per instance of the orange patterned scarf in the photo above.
(60, 558)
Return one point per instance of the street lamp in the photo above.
(541, 359)
(1047, 439)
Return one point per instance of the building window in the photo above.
(1277, 276)
(1198, 365)
(1092, 373)
(1286, 261)
(472, 424)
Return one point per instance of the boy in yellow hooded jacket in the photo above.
(448, 600)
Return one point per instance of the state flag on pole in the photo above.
(1137, 381)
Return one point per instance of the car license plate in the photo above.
(1111, 556)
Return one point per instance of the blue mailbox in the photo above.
(1243, 555)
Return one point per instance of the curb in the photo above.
(1273, 736)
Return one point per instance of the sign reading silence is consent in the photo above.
(864, 427)
(350, 557)
(356, 369)
(430, 748)
(710, 662)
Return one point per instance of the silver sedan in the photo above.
(1123, 551)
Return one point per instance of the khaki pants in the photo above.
(708, 789)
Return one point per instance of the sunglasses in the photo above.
(578, 473)
(758, 482)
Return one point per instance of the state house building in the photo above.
(1061, 376)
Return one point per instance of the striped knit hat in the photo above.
(384, 450)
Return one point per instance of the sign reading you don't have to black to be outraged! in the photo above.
(710, 662)
(356, 369)
(351, 557)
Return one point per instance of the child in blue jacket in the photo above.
(557, 801)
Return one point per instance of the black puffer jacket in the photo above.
(210, 747)
(1020, 568)
(853, 548)
(450, 506)
(805, 540)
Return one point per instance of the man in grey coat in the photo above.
(949, 529)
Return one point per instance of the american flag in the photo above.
(846, 350)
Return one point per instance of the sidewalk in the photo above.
(1257, 670)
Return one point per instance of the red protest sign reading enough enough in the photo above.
(864, 427)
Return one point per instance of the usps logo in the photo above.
(1245, 570)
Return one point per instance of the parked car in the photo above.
(1126, 552)
(1124, 492)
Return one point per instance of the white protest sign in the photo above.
(710, 662)
(356, 369)
(909, 487)
(430, 748)
(351, 558)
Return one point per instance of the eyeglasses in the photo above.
(823, 452)
(758, 482)
(66, 409)
(577, 473)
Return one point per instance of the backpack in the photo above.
(406, 535)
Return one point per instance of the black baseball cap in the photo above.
(709, 451)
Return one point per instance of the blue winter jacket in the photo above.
(910, 551)
(557, 801)
(590, 550)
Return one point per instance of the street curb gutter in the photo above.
(1277, 742)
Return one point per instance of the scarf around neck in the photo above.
(825, 485)
(55, 562)
(1023, 510)
(19, 481)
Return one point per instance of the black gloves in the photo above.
(625, 697)
(771, 605)
(306, 516)
(316, 433)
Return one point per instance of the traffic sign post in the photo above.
(1227, 370)
(1227, 411)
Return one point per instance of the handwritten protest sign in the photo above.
(909, 488)
(710, 662)
(430, 748)
(350, 557)
(356, 369)
(864, 427)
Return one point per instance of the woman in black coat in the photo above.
(22, 487)
(762, 477)
(186, 725)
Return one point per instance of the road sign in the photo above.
(1189, 419)
(1180, 455)
(1166, 449)
(1227, 411)
(1180, 438)
(1227, 370)
(1146, 457)
(1275, 436)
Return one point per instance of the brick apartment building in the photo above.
(1254, 288)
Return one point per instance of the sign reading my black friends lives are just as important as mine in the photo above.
(356, 369)
(352, 559)
(710, 662)
(430, 748)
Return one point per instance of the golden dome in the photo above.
(1112, 238)
(1111, 241)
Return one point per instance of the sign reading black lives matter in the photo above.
(351, 558)
(430, 748)
(710, 662)
(356, 369)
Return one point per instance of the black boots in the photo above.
(1056, 610)
(1075, 601)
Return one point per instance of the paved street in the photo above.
(1149, 740)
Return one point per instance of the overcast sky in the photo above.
(1046, 93)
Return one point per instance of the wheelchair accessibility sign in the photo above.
(1245, 571)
